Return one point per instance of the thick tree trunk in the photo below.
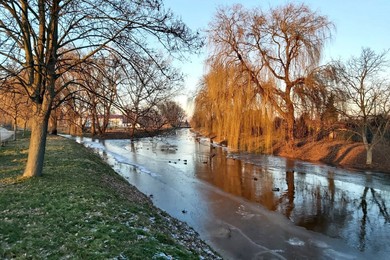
(290, 131)
(289, 116)
(36, 150)
(41, 65)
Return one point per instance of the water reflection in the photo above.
(339, 205)
(346, 205)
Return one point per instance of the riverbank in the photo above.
(122, 134)
(80, 208)
(338, 153)
(250, 206)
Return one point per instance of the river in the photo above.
(251, 206)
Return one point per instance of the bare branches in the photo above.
(278, 49)
(367, 92)
(172, 113)
(361, 81)
(146, 85)
(43, 45)
(86, 27)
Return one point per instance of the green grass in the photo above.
(81, 209)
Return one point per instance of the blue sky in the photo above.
(358, 24)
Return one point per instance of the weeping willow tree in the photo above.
(260, 68)
(280, 46)
(229, 107)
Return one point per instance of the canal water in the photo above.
(250, 206)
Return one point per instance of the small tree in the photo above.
(367, 95)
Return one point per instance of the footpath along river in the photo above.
(5, 134)
(251, 206)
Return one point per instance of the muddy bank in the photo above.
(345, 154)
(340, 153)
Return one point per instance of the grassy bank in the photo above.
(81, 209)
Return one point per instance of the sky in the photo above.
(357, 23)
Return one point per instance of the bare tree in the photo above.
(99, 80)
(145, 86)
(151, 120)
(277, 49)
(173, 113)
(38, 35)
(367, 95)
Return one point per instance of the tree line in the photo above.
(83, 58)
(265, 87)
(103, 88)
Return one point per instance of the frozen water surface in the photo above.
(255, 206)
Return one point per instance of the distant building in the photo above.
(116, 121)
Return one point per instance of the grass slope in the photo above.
(81, 209)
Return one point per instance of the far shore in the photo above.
(121, 134)
(338, 153)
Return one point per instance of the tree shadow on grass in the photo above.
(333, 157)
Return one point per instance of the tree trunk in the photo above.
(289, 116)
(36, 150)
(24, 128)
(53, 123)
(106, 120)
(15, 127)
(132, 131)
(369, 155)
(368, 146)
(133, 126)
(93, 124)
(290, 129)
